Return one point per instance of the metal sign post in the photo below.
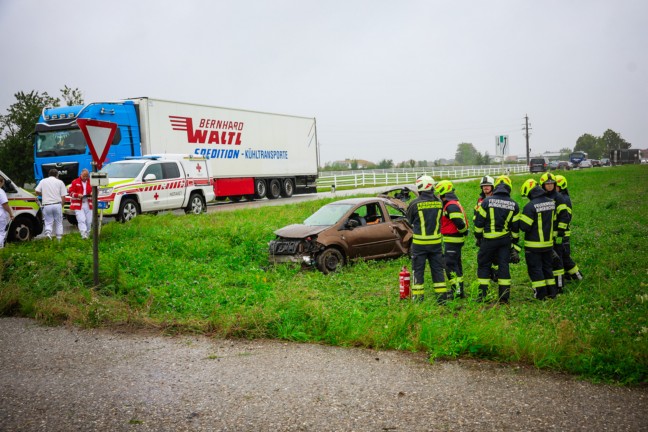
(99, 135)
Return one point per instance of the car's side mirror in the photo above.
(150, 177)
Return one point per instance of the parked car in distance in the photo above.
(585, 164)
(538, 165)
(564, 165)
(606, 162)
(553, 165)
(354, 228)
(596, 163)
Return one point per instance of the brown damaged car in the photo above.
(355, 228)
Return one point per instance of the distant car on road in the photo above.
(553, 165)
(585, 164)
(354, 228)
(596, 163)
(606, 162)
(538, 165)
(564, 165)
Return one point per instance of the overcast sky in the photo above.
(390, 79)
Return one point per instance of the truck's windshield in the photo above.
(60, 143)
(122, 170)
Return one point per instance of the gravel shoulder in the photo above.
(67, 379)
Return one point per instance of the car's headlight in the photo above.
(105, 191)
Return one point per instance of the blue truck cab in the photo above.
(59, 143)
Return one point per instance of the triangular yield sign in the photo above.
(99, 135)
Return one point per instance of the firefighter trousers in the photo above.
(571, 269)
(494, 251)
(422, 254)
(454, 267)
(540, 268)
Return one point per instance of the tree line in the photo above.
(17, 128)
(599, 147)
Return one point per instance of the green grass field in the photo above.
(209, 274)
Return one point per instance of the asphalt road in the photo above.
(69, 379)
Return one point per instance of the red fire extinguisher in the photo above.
(404, 280)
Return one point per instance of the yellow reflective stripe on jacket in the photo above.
(426, 240)
(451, 239)
(538, 244)
(526, 219)
(496, 234)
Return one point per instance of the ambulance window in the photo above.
(171, 170)
(155, 169)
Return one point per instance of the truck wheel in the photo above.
(128, 210)
(21, 229)
(196, 204)
(260, 188)
(330, 260)
(274, 191)
(72, 219)
(287, 188)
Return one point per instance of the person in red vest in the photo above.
(454, 228)
(80, 193)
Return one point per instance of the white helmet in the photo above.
(487, 181)
(425, 183)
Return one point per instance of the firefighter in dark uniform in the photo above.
(424, 214)
(537, 222)
(496, 229)
(561, 223)
(487, 185)
(454, 228)
(572, 272)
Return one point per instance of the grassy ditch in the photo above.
(209, 274)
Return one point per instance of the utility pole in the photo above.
(526, 135)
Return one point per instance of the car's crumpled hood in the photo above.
(300, 231)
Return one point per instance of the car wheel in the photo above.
(72, 219)
(274, 191)
(196, 204)
(260, 188)
(21, 229)
(128, 210)
(330, 260)
(287, 188)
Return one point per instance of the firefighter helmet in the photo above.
(561, 181)
(443, 187)
(424, 183)
(547, 178)
(503, 179)
(527, 186)
(487, 181)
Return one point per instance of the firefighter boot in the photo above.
(460, 290)
(540, 293)
(444, 297)
(560, 284)
(552, 291)
(483, 291)
(577, 276)
(504, 294)
(418, 292)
